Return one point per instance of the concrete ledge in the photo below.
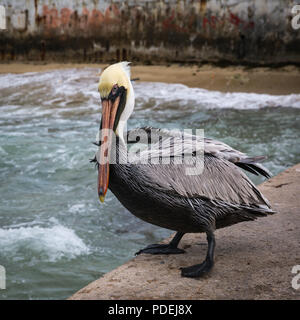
(253, 259)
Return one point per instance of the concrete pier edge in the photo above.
(254, 260)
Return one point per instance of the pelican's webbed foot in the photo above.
(199, 270)
(170, 248)
(160, 249)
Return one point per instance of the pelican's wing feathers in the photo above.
(220, 181)
(191, 142)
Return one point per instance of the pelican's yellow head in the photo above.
(117, 98)
(115, 74)
(115, 86)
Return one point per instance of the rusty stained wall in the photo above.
(257, 31)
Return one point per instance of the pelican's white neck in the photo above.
(129, 106)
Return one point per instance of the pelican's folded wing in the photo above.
(183, 143)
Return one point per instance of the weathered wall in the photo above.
(257, 31)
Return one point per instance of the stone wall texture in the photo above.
(151, 31)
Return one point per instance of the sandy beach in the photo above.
(277, 81)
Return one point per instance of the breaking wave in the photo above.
(178, 93)
(57, 92)
(46, 244)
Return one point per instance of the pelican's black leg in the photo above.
(203, 268)
(170, 248)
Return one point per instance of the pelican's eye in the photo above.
(114, 89)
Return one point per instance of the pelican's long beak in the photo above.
(109, 111)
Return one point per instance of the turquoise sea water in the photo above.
(55, 236)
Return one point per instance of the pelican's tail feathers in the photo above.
(251, 165)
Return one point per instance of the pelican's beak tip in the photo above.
(101, 198)
(101, 195)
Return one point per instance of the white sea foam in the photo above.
(77, 208)
(181, 94)
(59, 90)
(11, 80)
(47, 244)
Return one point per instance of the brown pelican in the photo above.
(164, 194)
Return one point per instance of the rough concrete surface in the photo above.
(253, 259)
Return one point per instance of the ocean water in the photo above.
(55, 235)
